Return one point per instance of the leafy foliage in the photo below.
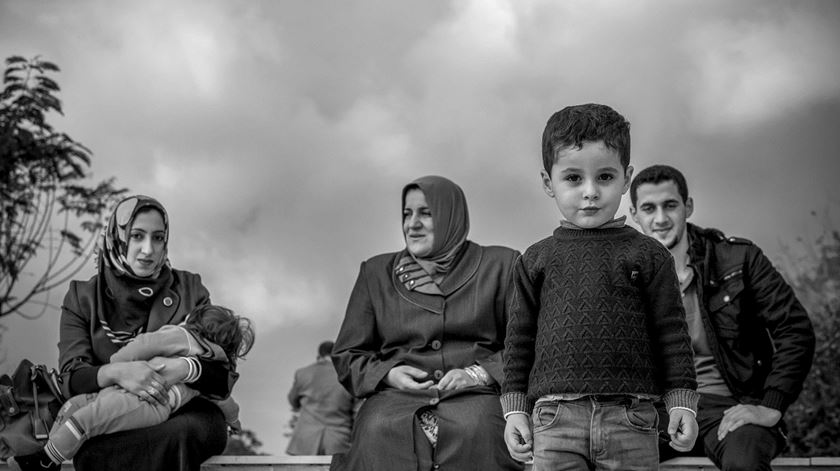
(45, 208)
(814, 419)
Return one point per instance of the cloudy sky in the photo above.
(279, 134)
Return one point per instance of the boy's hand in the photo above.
(682, 427)
(744, 414)
(518, 437)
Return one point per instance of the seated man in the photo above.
(752, 339)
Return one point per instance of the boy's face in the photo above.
(661, 213)
(587, 183)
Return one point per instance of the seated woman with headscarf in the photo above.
(136, 291)
(422, 341)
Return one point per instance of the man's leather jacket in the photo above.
(760, 334)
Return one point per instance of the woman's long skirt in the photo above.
(386, 434)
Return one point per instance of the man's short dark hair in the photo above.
(656, 174)
(576, 125)
(325, 349)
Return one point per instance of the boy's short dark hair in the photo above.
(217, 324)
(575, 125)
(325, 349)
(656, 174)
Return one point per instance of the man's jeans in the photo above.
(613, 432)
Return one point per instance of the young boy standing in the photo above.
(597, 328)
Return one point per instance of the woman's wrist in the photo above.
(478, 374)
(107, 375)
(193, 369)
(175, 369)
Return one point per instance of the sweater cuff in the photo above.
(682, 398)
(81, 381)
(515, 402)
(775, 399)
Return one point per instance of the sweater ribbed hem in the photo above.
(775, 399)
(515, 402)
(563, 233)
(686, 398)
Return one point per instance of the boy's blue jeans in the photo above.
(612, 432)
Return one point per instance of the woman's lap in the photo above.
(194, 433)
(471, 431)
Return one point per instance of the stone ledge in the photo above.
(322, 463)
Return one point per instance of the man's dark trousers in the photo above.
(749, 447)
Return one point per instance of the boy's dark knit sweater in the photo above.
(597, 311)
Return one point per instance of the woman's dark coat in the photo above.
(196, 432)
(387, 325)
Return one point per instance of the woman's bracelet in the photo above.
(472, 375)
(194, 370)
(478, 374)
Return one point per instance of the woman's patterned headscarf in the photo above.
(448, 205)
(113, 244)
(126, 298)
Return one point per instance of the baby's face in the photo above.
(587, 183)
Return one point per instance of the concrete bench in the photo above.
(322, 463)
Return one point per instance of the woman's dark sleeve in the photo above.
(217, 377)
(216, 380)
(356, 352)
(494, 363)
(77, 363)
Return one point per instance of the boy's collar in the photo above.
(616, 223)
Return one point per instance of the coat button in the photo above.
(434, 401)
(435, 344)
(411, 283)
(167, 301)
(438, 374)
(726, 298)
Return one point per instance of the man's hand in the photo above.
(683, 429)
(406, 377)
(518, 437)
(744, 414)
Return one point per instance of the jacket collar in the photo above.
(464, 270)
(696, 245)
(701, 251)
(165, 306)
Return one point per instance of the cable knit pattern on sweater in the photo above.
(597, 312)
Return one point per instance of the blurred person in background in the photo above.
(324, 408)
